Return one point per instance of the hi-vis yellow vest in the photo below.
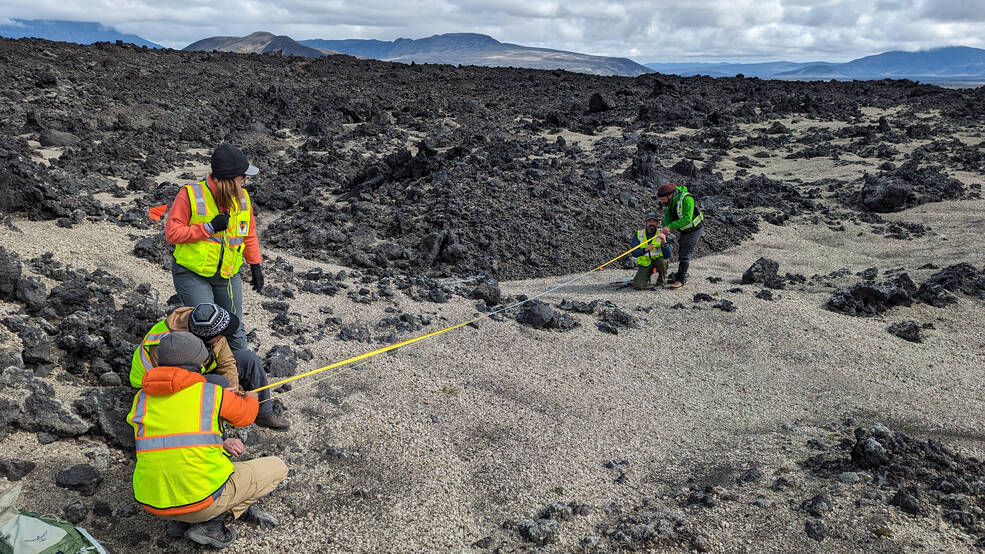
(203, 257)
(141, 362)
(181, 466)
(647, 258)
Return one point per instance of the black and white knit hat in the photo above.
(210, 320)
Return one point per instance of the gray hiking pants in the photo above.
(685, 246)
(252, 376)
(193, 289)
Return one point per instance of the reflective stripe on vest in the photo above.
(646, 259)
(181, 465)
(200, 209)
(695, 221)
(178, 441)
(221, 254)
(141, 362)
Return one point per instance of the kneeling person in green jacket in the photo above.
(652, 256)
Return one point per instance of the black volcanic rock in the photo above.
(433, 201)
(81, 477)
(886, 195)
(867, 299)
(599, 103)
(10, 273)
(763, 270)
(962, 277)
(15, 470)
(906, 330)
(50, 137)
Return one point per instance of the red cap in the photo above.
(666, 189)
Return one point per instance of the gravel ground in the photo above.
(447, 439)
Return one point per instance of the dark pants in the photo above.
(193, 289)
(685, 246)
(252, 376)
(643, 273)
(217, 379)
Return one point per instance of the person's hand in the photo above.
(235, 447)
(665, 231)
(218, 224)
(662, 237)
(257, 274)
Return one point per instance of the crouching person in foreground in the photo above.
(183, 471)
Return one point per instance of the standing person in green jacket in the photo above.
(681, 214)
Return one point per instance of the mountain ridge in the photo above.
(79, 32)
(481, 50)
(946, 61)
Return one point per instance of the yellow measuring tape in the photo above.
(436, 333)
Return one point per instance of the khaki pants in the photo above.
(643, 274)
(249, 482)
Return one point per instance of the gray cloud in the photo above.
(655, 30)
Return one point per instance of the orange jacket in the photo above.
(178, 231)
(238, 410)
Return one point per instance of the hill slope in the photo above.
(260, 42)
(483, 50)
(81, 32)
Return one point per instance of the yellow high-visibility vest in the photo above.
(141, 363)
(203, 257)
(647, 258)
(181, 465)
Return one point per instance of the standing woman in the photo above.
(212, 228)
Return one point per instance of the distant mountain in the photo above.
(476, 49)
(953, 61)
(256, 43)
(79, 32)
(940, 64)
(725, 69)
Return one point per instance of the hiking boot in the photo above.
(273, 421)
(676, 285)
(213, 532)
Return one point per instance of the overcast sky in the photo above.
(646, 31)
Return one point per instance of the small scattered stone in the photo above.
(81, 477)
(261, 517)
(15, 470)
(815, 529)
(752, 475)
(110, 379)
(849, 478)
(906, 330)
(75, 512)
(818, 505)
(556, 510)
(541, 531)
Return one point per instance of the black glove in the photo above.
(219, 223)
(257, 277)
